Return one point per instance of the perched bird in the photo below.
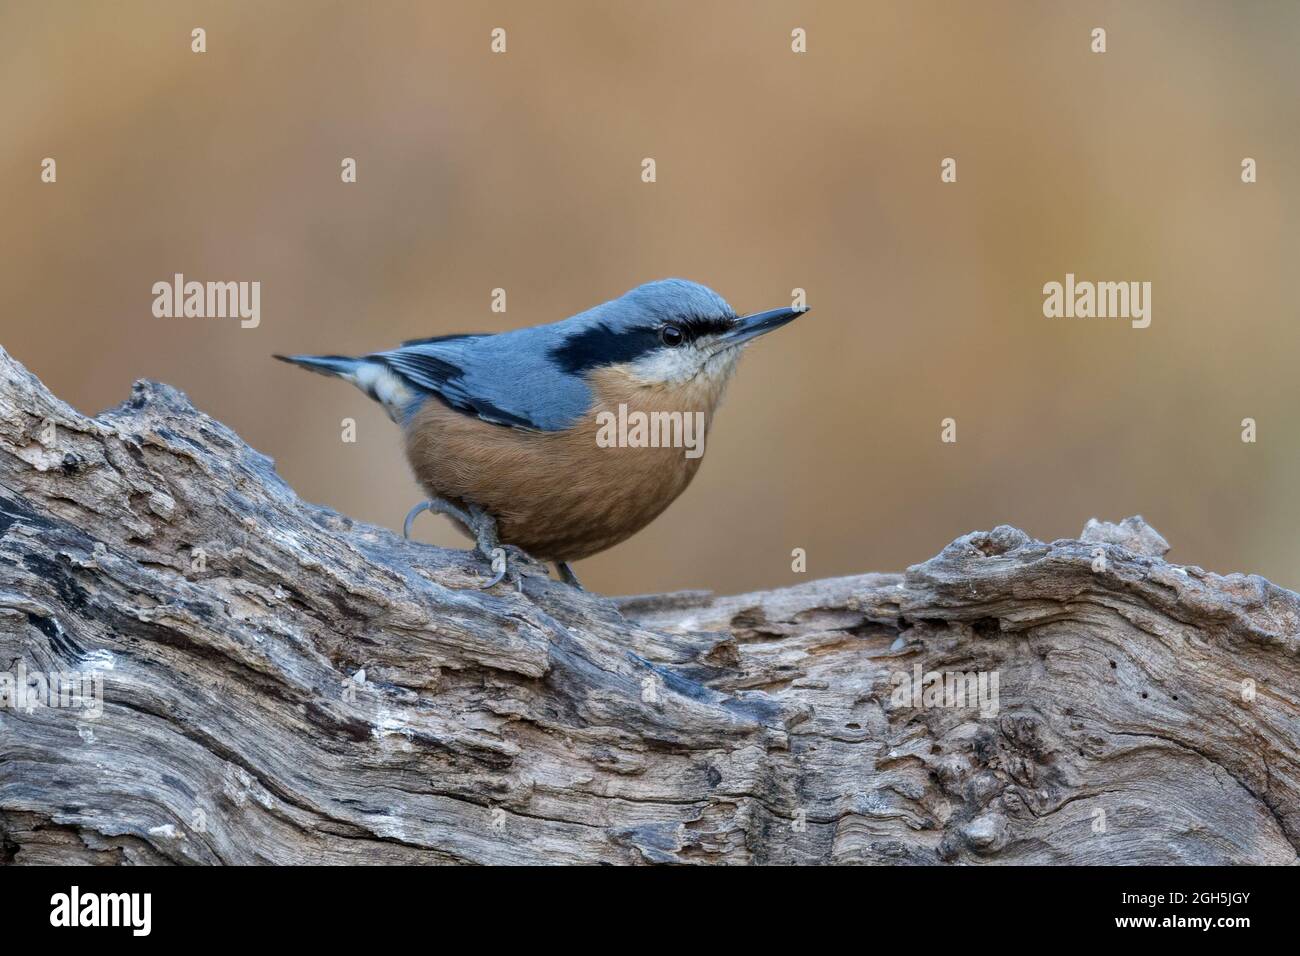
(509, 433)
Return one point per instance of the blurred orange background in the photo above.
(775, 170)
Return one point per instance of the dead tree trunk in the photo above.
(282, 684)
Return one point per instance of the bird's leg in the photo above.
(484, 528)
(567, 575)
(481, 526)
(438, 506)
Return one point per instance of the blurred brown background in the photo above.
(775, 170)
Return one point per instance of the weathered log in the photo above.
(283, 684)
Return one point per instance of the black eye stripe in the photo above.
(698, 326)
(600, 345)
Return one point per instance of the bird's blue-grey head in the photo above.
(668, 332)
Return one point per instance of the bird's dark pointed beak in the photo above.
(752, 326)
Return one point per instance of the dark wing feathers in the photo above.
(445, 379)
(444, 338)
(506, 379)
(430, 372)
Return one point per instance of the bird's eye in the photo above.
(671, 336)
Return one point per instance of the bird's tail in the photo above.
(339, 366)
(368, 374)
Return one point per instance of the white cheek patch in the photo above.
(667, 365)
(664, 366)
(721, 363)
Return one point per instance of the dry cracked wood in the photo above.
(1145, 712)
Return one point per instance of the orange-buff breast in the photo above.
(560, 496)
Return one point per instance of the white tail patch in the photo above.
(383, 386)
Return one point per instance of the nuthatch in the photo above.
(504, 431)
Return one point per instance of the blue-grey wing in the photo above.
(507, 379)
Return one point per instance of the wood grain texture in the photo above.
(311, 689)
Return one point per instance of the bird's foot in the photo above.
(567, 575)
(483, 528)
(438, 506)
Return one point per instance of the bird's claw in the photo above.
(482, 526)
(438, 506)
(499, 569)
(412, 515)
(567, 575)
